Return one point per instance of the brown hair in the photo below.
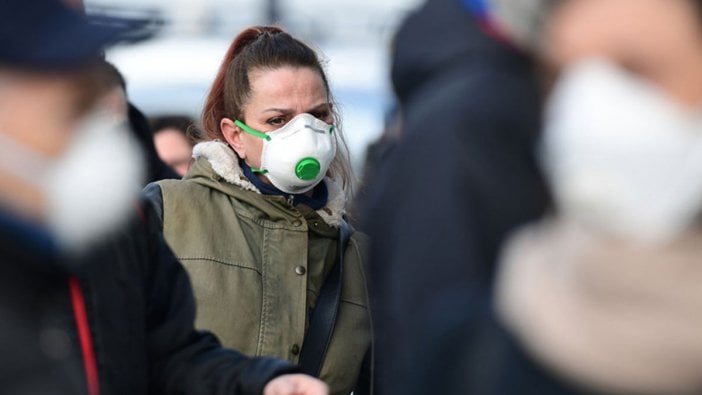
(265, 47)
(259, 47)
(698, 7)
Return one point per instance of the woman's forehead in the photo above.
(287, 81)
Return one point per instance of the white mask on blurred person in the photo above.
(91, 187)
(621, 155)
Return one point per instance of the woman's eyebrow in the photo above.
(280, 110)
(318, 107)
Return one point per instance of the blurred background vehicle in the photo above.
(171, 73)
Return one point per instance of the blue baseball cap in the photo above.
(47, 34)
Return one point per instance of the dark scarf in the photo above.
(317, 201)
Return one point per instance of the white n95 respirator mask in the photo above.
(296, 157)
(621, 155)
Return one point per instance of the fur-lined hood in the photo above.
(225, 163)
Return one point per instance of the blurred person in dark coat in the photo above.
(91, 299)
(462, 176)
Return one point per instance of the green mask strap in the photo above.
(252, 131)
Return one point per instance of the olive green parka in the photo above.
(257, 263)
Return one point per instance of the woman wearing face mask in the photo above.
(606, 293)
(257, 219)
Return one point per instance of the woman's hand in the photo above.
(295, 384)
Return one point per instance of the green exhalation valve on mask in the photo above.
(307, 169)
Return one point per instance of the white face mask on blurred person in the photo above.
(621, 155)
(91, 187)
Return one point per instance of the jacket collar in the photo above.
(225, 163)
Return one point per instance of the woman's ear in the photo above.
(232, 134)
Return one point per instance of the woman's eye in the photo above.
(277, 121)
(321, 115)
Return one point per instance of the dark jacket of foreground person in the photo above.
(120, 314)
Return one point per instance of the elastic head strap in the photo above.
(252, 131)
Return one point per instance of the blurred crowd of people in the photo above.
(528, 223)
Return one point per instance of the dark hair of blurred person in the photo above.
(258, 220)
(172, 141)
(115, 99)
(92, 300)
(114, 89)
(157, 168)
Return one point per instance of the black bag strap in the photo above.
(323, 318)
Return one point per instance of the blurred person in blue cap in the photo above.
(91, 298)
